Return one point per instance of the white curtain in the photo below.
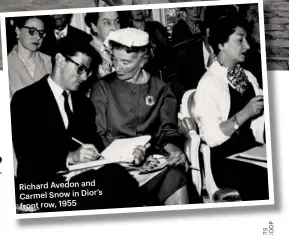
(78, 22)
(159, 15)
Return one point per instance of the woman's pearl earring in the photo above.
(17, 36)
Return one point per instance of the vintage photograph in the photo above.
(138, 108)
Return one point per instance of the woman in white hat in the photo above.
(130, 102)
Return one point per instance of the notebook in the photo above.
(255, 156)
(119, 151)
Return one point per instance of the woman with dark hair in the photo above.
(131, 102)
(190, 27)
(230, 111)
(100, 24)
(26, 64)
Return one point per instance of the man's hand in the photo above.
(139, 154)
(85, 153)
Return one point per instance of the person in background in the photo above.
(60, 29)
(230, 112)
(191, 52)
(100, 24)
(131, 102)
(26, 64)
(159, 39)
(190, 27)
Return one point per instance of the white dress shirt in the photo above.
(206, 54)
(57, 92)
(213, 105)
(61, 33)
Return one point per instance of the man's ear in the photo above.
(17, 31)
(60, 60)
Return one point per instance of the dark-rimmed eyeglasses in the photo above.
(33, 31)
(80, 68)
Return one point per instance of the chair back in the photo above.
(192, 143)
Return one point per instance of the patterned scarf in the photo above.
(238, 79)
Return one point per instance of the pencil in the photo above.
(77, 141)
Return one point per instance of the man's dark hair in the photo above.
(68, 47)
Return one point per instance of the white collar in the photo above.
(63, 31)
(56, 89)
(219, 71)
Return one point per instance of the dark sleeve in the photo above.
(90, 132)
(161, 34)
(168, 130)
(178, 33)
(39, 155)
(100, 102)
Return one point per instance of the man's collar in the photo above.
(56, 89)
(63, 31)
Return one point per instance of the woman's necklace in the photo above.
(194, 27)
(27, 63)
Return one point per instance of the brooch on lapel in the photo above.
(150, 101)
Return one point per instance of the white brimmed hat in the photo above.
(130, 37)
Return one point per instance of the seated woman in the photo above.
(100, 24)
(229, 109)
(26, 64)
(130, 103)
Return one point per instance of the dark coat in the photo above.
(125, 110)
(74, 35)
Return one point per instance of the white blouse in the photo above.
(213, 105)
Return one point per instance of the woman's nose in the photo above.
(117, 67)
(246, 44)
(114, 27)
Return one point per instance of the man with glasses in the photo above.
(53, 127)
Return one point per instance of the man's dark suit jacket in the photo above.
(41, 141)
(75, 35)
